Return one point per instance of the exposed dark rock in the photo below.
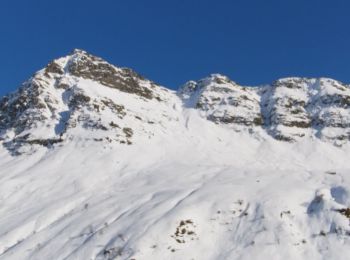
(224, 101)
(118, 109)
(61, 84)
(53, 67)
(90, 67)
(23, 109)
(128, 132)
(44, 142)
(258, 121)
(281, 137)
(337, 100)
(14, 145)
(79, 99)
(345, 212)
(114, 125)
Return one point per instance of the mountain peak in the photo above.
(73, 91)
(79, 51)
(97, 162)
(60, 65)
(219, 78)
(76, 90)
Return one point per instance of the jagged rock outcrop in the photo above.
(314, 108)
(83, 96)
(286, 112)
(87, 66)
(73, 93)
(289, 109)
(223, 101)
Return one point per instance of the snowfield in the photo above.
(209, 194)
(176, 186)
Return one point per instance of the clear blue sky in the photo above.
(172, 41)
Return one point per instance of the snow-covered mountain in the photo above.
(289, 109)
(97, 162)
(81, 97)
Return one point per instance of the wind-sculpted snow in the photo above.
(97, 162)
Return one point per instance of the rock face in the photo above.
(288, 110)
(80, 91)
(87, 66)
(223, 101)
(109, 165)
(83, 96)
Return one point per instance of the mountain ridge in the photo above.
(288, 109)
(105, 164)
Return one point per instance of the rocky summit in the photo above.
(288, 109)
(98, 162)
(75, 92)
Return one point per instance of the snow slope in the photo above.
(91, 169)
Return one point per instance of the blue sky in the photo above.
(251, 41)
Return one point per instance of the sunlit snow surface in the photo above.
(184, 185)
(199, 191)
